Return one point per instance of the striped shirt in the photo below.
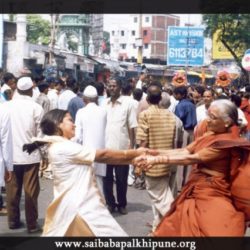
(157, 128)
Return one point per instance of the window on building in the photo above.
(146, 46)
(133, 32)
(113, 32)
(145, 32)
(135, 19)
(123, 45)
(134, 46)
(122, 32)
(146, 19)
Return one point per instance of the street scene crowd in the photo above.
(187, 145)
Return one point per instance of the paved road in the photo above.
(134, 223)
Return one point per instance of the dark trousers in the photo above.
(26, 176)
(121, 175)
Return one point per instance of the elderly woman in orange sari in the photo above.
(212, 202)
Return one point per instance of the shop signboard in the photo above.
(185, 46)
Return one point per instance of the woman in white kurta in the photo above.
(77, 208)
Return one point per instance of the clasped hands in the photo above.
(146, 159)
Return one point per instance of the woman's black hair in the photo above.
(49, 126)
(51, 120)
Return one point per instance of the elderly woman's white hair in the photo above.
(228, 111)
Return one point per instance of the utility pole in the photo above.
(187, 48)
(140, 42)
(53, 32)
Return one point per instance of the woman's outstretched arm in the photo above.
(120, 157)
(176, 158)
(180, 151)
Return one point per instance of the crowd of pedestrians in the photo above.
(92, 136)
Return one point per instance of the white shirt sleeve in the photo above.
(78, 129)
(6, 140)
(38, 118)
(132, 121)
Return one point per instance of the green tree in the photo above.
(233, 33)
(38, 29)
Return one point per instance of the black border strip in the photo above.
(125, 6)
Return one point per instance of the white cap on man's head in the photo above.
(90, 92)
(24, 83)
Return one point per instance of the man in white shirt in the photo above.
(36, 82)
(6, 152)
(67, 94)
(120, 134)
(141, 80)
(90, 129)
(43, 99)
(101, 93)
(52, 93)
(201, 111)
(26, 116)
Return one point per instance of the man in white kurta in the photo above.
(26, 116)
(202, 110)
(65, 97)
(6, 147)
(90, 129)
(52, 93)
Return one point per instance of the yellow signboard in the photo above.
(219, 51)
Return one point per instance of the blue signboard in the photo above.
(185, 46)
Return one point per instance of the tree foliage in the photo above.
(38, 30)
(233, 32)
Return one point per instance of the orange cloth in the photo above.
(200, 129)
(240, 174)
(205, 205)
(245, 107)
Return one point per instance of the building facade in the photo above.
(96, 21)
(150, 30)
